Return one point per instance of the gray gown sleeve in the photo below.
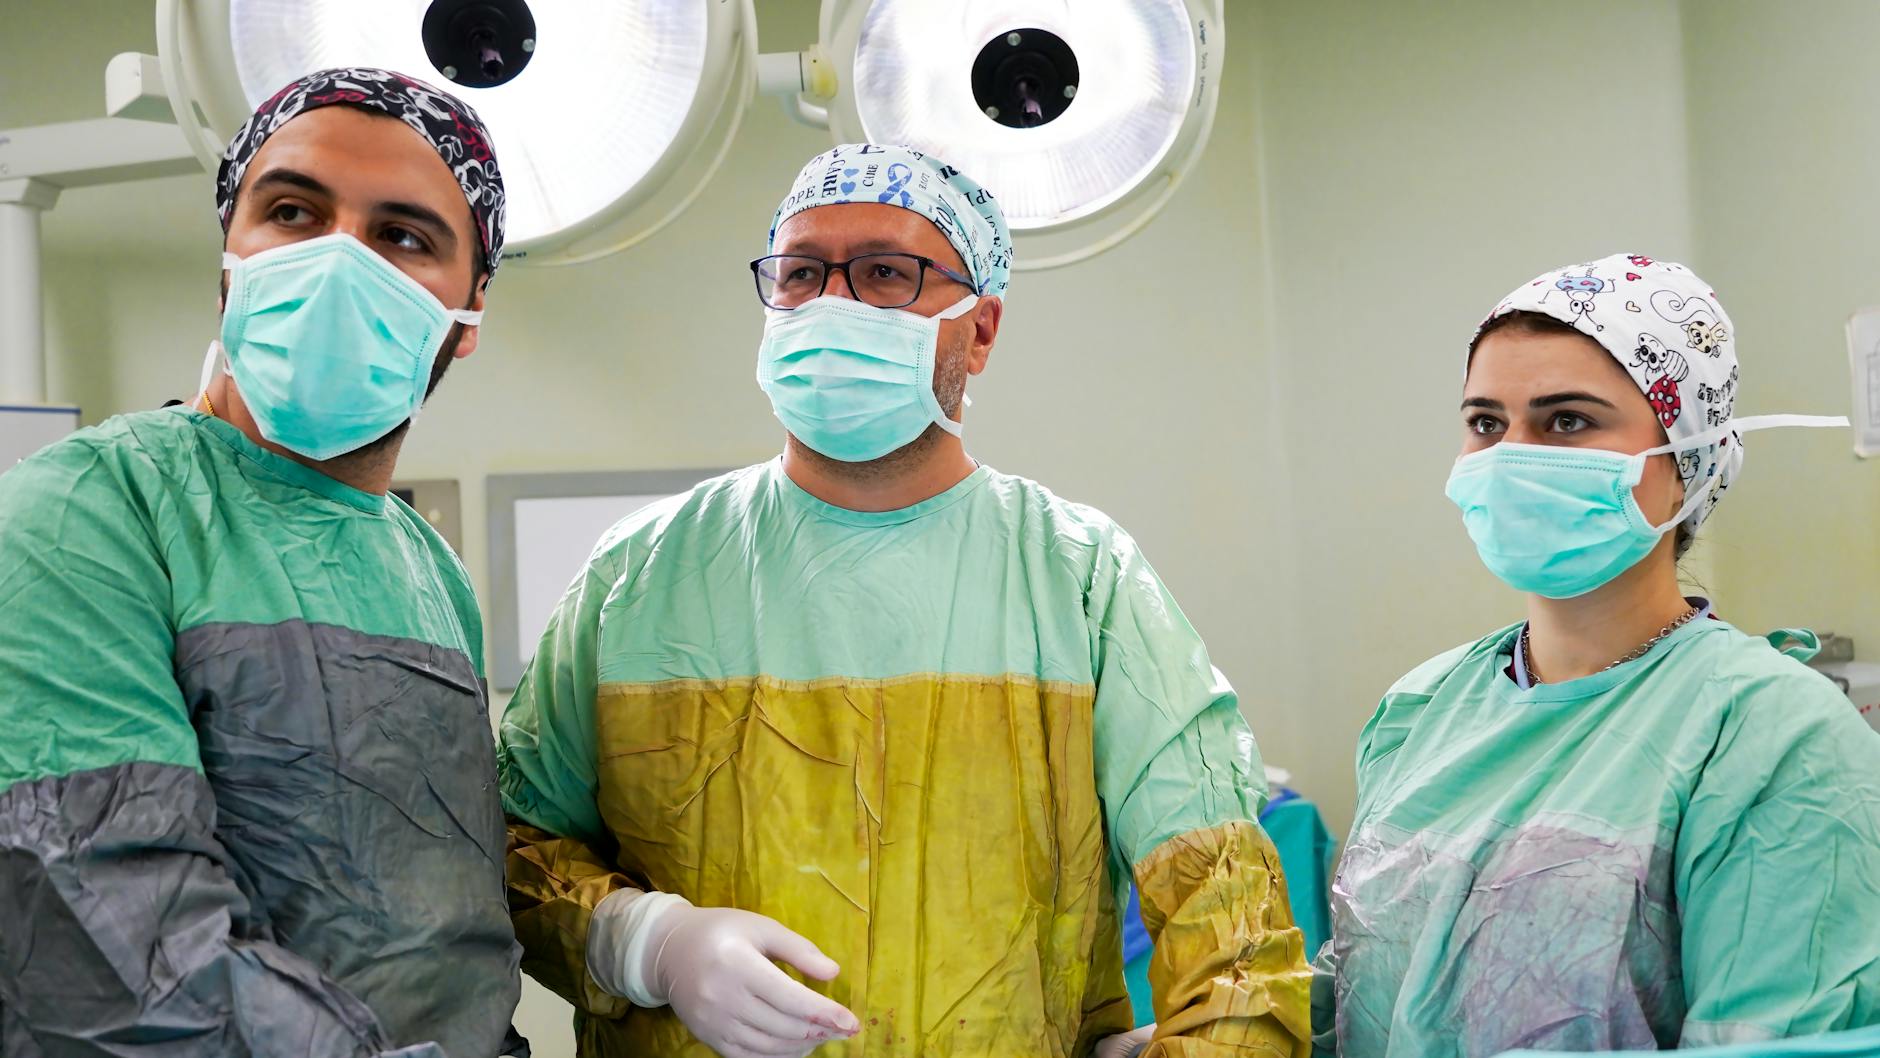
(124, 928)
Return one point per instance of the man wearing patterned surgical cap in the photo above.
(965, 213)
(248, 802)
(904, 724)
(452, 129)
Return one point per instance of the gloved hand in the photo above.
(1128, 1045)
(714, 966)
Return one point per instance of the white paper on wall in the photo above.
(553, 540)
(1863, 350)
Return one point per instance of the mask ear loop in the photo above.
(1693, 501)
(958, 308)
(1717, 435)
(208, 368)
(231, 263)
(1695, 496)
(954, 312)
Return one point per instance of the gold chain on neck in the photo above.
(1534, 677)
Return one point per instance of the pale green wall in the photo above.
(1261, 387)
(1785, 160)
(1418, 160)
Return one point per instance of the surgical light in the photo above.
(608, 115)
(1081, 115)
(479, 43)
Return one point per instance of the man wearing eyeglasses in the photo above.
(901, 723)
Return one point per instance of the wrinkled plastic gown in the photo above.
(329, 883)
(1555, 939)
(1854, 1043)
(1676, 852)
(932, 741)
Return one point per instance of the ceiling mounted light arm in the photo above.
(37, 163)
(1083, 116)
(804, 81)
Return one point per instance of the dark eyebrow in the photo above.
(1553, 399)
(411, 211)
(426, 216)
(1549, 401)
(291, 178)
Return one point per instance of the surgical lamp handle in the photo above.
(178, 85)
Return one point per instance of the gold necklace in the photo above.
(209, 404)
(1534, 677)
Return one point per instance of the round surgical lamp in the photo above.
(608, 116)
(1081, 115)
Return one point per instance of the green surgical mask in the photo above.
(1562, 522)
(852, 381)
(331, 345)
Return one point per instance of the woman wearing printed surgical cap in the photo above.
(1622, 823)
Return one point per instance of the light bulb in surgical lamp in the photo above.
(608, 116)
(1061, 108)
(604, 90)
(479, 43)
(1025, 78)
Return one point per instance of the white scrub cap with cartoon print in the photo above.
(1665, 326)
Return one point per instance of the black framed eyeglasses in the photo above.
(884, 280)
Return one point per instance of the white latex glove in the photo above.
(714, 965)
(1128, 1045)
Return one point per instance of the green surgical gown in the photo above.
(936, 741)
(248, 798)
(1851, 1043)
(1680, 851)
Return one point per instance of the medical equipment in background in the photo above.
(1082, 116)
(26, 428)
(1859, 680)
(134, 141)
(610, 116)
(439, 501)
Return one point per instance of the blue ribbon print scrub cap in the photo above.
(1665, 326)
(965, 213)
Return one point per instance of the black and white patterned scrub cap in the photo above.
(446, 123)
